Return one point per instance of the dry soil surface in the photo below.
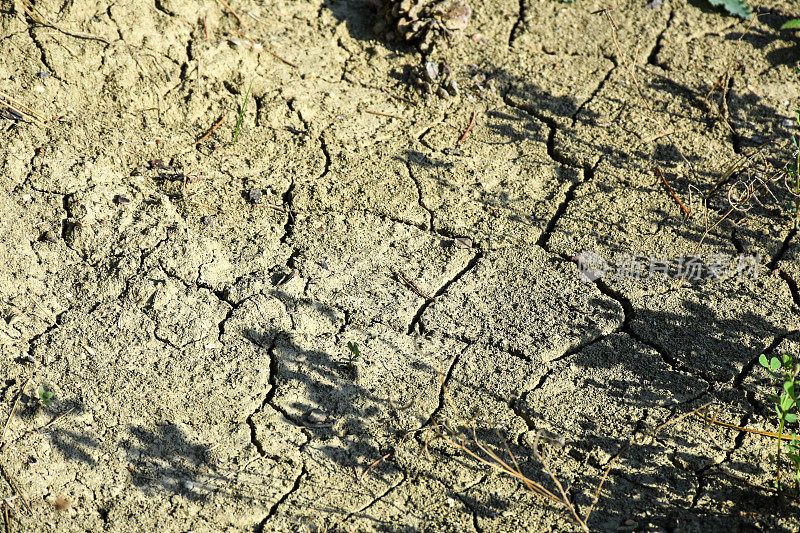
(190, 304)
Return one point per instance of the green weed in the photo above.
(45, 396)
(241, 113)
(785, 370)
(353, 354)
(792, 171)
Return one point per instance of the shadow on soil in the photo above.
(163, 460)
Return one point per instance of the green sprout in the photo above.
(784, 369)
(354, 354)
(45, 396)
(241, 113)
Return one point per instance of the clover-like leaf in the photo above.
(734, 7)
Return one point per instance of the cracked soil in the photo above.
(190, 304)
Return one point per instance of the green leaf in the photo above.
(763, 360)
(774, 363)
(791, 418)
(786, 403)
(734, 7)
(354, 348)
(791, 25)
(789, 388)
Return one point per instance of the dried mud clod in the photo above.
(421, 21)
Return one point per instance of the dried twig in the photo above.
(471, 123)
(213, 128)
(714, 420)
(229, 8)
(267, 50)
(373, 465)
(56, 419)
(675, 196)
(413, 287)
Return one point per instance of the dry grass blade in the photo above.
(11, 414)
(535, 487)
(714, 420)
(498, 463)
(627, 446)
(15, 487)
(37, 17)
(229, 8)
(20, 109)
(640, 91)
(737, 166)
(30, 10)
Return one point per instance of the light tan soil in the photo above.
(195, 336)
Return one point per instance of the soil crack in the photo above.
(274, 509)
(416, 322)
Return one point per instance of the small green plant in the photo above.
(734, 7)
(45, 396)
(792, 171)
(353, 354)
(241, 113)
(793, 24)
(785, 370)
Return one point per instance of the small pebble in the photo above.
(48, 236)
(464, 242)
(42, 74)
(188, 485)
(441, 93)
(317, 416)
(451, 87)
(254, 196)
(431, 71)
(121, 199)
